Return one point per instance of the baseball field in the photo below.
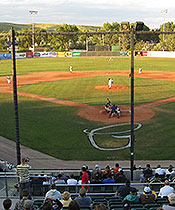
(56, 106)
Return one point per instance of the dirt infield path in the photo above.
(43, 161)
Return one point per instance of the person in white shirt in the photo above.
(160, 171)
(166, 190)
(72, 181)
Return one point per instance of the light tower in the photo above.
(33, 12)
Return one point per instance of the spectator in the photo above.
(96, 179)
(155, 179)
(147, 196)
(123, 191)
(24, 177)
(116, 170)
(147, 173)
(46, 181)
(100, 206)
(7, 204)
(65, 178)
(52, 204)
(73, 205)
(82, 200)
(59, 180)
(28, 205)
(160, 172)
(72, 181)
(120, 177)
(171, 199)
(108, 180)
(169, 172)
(53, 193)
(20, 204)
(66, 198)
(132, 197)
(106, 172)
(98, 171)
(85, 177)
(36, 180)
(126, 205)
(166, 190)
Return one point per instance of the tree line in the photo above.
(49, 42)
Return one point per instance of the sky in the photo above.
(88, 12)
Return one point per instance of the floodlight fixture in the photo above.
(125, 26)
(139, 26)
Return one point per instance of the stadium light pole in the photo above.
(164, 11)
(33, 12)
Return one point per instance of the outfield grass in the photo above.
(57, 130)
(27, 66)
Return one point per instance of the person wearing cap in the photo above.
(166, 190)
(132, 197)
(147, 196)
(98, 171)
(171, 199)
(120, 177)
(82, 199)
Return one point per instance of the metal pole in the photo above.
(132, 101)
(15, 99)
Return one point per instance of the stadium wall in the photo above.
(164, 54)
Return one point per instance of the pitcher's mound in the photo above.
(113, 88)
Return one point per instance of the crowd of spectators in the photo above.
(56, 200)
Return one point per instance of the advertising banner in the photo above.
(29, 55)
(36, 55)
(20, 55)
(161, 54)
(122, 53)
(61, 54)
(68, 54)
(5, 56)
(76, 54)
(144, 53)
(44, 54)
(52, 54)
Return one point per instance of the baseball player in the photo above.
(140, 70)
(110, 81)
(113, 110)
(8, 79)
(110, 59)
(118, 112)
(107, 107)
(71, 69)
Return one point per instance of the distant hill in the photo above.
(5, 27)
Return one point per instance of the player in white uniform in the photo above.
(71, 68)
(110, 81)
(110, 59)
(8, 79)
(140, 70)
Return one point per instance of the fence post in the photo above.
(15, 98)
(132, 31)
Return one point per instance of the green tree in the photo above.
(110, 39)
(63, 42)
